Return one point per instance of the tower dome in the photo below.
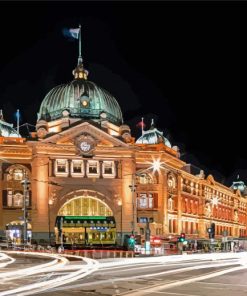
(6, 129)
(153, 136)
(80, 99)
(239, 185)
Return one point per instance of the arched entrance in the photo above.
(85, 220)
(14, 232)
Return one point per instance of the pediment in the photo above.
(70, 136)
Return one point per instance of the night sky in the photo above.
(183, 64)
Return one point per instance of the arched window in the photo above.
(145, 178)
(13, 189)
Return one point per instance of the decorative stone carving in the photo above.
(41, 132)
(235, 215)
(207, 209)
(85, 144)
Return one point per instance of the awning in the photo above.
(85, 221)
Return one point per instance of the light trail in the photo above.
(31, 289)
(11, 275)
(159, 287)
(208, 257)
(4, 257)
(81, 271)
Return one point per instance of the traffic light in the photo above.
(131, 242)
(181, 239)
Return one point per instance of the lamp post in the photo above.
(25, 183)
(50, 203)
(133, 189)
(120, 203)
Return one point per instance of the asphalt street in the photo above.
(173, 275)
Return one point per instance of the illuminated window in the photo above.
(93, 168)
(77, 168)
(145, 201)
(85, 206)
(15, 199)
(108, 169)
(143, 219)
(61, 167)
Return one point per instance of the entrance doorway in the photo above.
(85, 220)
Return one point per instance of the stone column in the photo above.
(128, 174)
(179, 199)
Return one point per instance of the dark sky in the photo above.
(182, 63)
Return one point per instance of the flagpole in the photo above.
(80, 57)
(18, 120)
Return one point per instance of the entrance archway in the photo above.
(85, 220)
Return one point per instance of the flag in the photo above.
(18, 115)
(141, 125)
(71, 33)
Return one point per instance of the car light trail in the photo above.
(4, 257)
(31, 289)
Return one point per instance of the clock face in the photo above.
(85, 146)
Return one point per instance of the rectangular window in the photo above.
(61, 167)
(15, 199)
(18, 200)
(93, 168)
(9, 198)
(108, 169)
(143, 220)
(77, 168)
(145, 201)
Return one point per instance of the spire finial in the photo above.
(79, 72)
(152, 123)
(238, 177)
(80, 60)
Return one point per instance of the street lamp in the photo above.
(120, 204)
(50, 203)
(25, 183)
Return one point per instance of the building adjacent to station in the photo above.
(92, 182)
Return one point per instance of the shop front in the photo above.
(15, 232)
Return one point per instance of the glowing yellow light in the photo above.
(84, 103)
(119, 202)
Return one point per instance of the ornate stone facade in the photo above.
(81, 166)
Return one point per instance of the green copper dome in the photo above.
(80, 99)
(6, 129)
